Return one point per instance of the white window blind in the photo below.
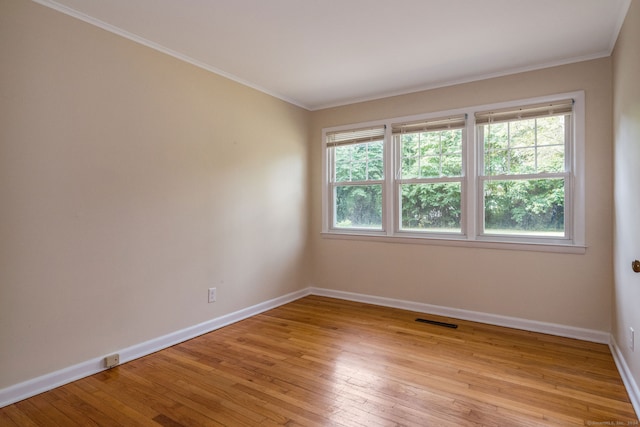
(526, 112)
(456, 122)
(356, 136)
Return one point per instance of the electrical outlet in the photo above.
(212, 294)
(631, 339)
(112, 360)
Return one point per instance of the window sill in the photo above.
(459, 242)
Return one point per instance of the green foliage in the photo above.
(359, 162)
(526, 205)
(524, 146)
(431, 154)
(426, 155)
(520, 204)
(431, 206)
(359, 206)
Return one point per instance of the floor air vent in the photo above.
(433, 322)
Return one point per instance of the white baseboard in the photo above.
(627, 378)
(511, 322)
(475, 316)
(55, 379)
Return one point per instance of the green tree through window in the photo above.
(524, 165)
(359, 205)
(429, 158)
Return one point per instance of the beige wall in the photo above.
(626, 121)
(573, 290)
(130, 182)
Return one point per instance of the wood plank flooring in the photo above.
(326, 362)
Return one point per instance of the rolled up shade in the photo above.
(355, 136)
(442, 123)
(555, 108)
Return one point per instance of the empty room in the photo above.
(294, 212)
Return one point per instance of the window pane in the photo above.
(431, 207)
(551, 130)
(532, 207)
(522, 160)
(452, 165)
(358, 169)
(451, 141)
(431, 154)
(496, 136)
(375, 169)
(522, 133)
(359, 162)
(410, 145)
(429, 143)
(525, 146)
(430, 167)
(410, 167)
(551, 159)
(358, 206)
(343, 159)
(496, 162)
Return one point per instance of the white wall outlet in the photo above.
(212, 294)
(112, 360)
(631, 339)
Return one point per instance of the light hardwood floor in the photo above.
(326, 362)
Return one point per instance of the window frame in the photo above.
(399, 181)
(566, 174)
(472, 210)
(329, 184)
(334, 183)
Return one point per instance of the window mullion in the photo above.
(359, 183)
(327, 189)
(513, 177)
(431, 180)
(389, 194)
(474, 167)
(569, 185)
(440, 154)
(535, 142)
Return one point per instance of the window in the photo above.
(525, 175)
(493, 175)
(357, 178)
(430, 174)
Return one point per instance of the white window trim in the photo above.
(470, 226)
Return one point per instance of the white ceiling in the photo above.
(321, 53)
